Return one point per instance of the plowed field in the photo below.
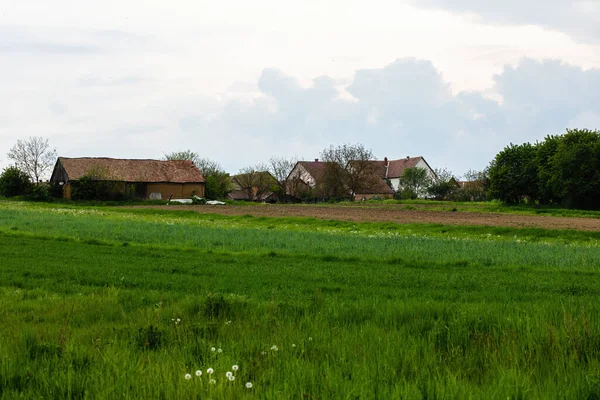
(398, 214)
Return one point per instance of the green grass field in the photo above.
(112, 303)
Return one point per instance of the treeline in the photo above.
(562, 169)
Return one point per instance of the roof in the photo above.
(315, 168)
(378, 186)
(173, 171)
(396, 167)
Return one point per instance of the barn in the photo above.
(144, 179)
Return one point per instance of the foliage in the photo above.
(14, 182)
(414, 182)
(34, 156)
(40, 192)
(348, 170)
(475, 187)
(561, 169)
(513, 174)
(218, 182)
(97, 184)
(443, 185)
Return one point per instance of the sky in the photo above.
(454, 81)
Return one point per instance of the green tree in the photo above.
(14, 182)
(513, 174)
(443, 185)
(576, 169)
(217, 181)
(543, 159)
(414, 182)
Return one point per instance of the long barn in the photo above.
(147, 179)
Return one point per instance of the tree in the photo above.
(14, 182)
(97, 184)
(256, 182)
(34, 156)
(475, 186)
(514, 174)
(280, 168)
(184, 155)
(414, 181)
(443, 185)
(576, 169)
(349, 169)
(218, 182)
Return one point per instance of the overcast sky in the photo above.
(241, 81)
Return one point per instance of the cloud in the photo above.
(578, 18)
(65, 42)
(406, 108)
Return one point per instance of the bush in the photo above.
(14, 182)
(39, 192)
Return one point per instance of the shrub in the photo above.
(14, 182)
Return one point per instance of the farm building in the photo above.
(145, 179)
(254, 186)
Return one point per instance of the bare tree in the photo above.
(352, 166)
(256, 182)
(34, 156)
(280, 168)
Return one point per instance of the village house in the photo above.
(144, 179)
(254, 186)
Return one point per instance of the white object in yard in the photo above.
(155, 196)
(182, 201)
(215, 203)
(197, 198)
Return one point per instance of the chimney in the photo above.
(407, 157)
(385, 160)
(316, 160)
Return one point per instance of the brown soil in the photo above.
(397, 214)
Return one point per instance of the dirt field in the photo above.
(397, 214)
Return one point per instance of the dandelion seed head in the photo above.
(310, 339)
(213, 349)
(210, 371)
(199, 373)
(219, 351)
(249, 385)
(212, 381)
(274, 348)
(231, 378)
(228, 374)
(235, 368)
(293, 345)
(188, 377)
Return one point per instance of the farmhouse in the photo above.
(254, 186)
(145, 179)
(309, 179)
(392, 170)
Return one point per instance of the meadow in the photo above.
(105, 302)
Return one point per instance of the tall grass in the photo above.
(123, 304)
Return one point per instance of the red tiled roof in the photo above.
(397, 167)
(315, 168)
(133, 170)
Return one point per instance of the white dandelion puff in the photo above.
(235, 368)
(188, 377)
(293, 344)
(212, 381)
(199, 373)
(274, 348)
(219, 351)
(310, 339)
(210, 371)
(249, 385)
(228, 374)
(231, 378)
(213, 349)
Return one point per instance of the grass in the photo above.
(90, 298)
